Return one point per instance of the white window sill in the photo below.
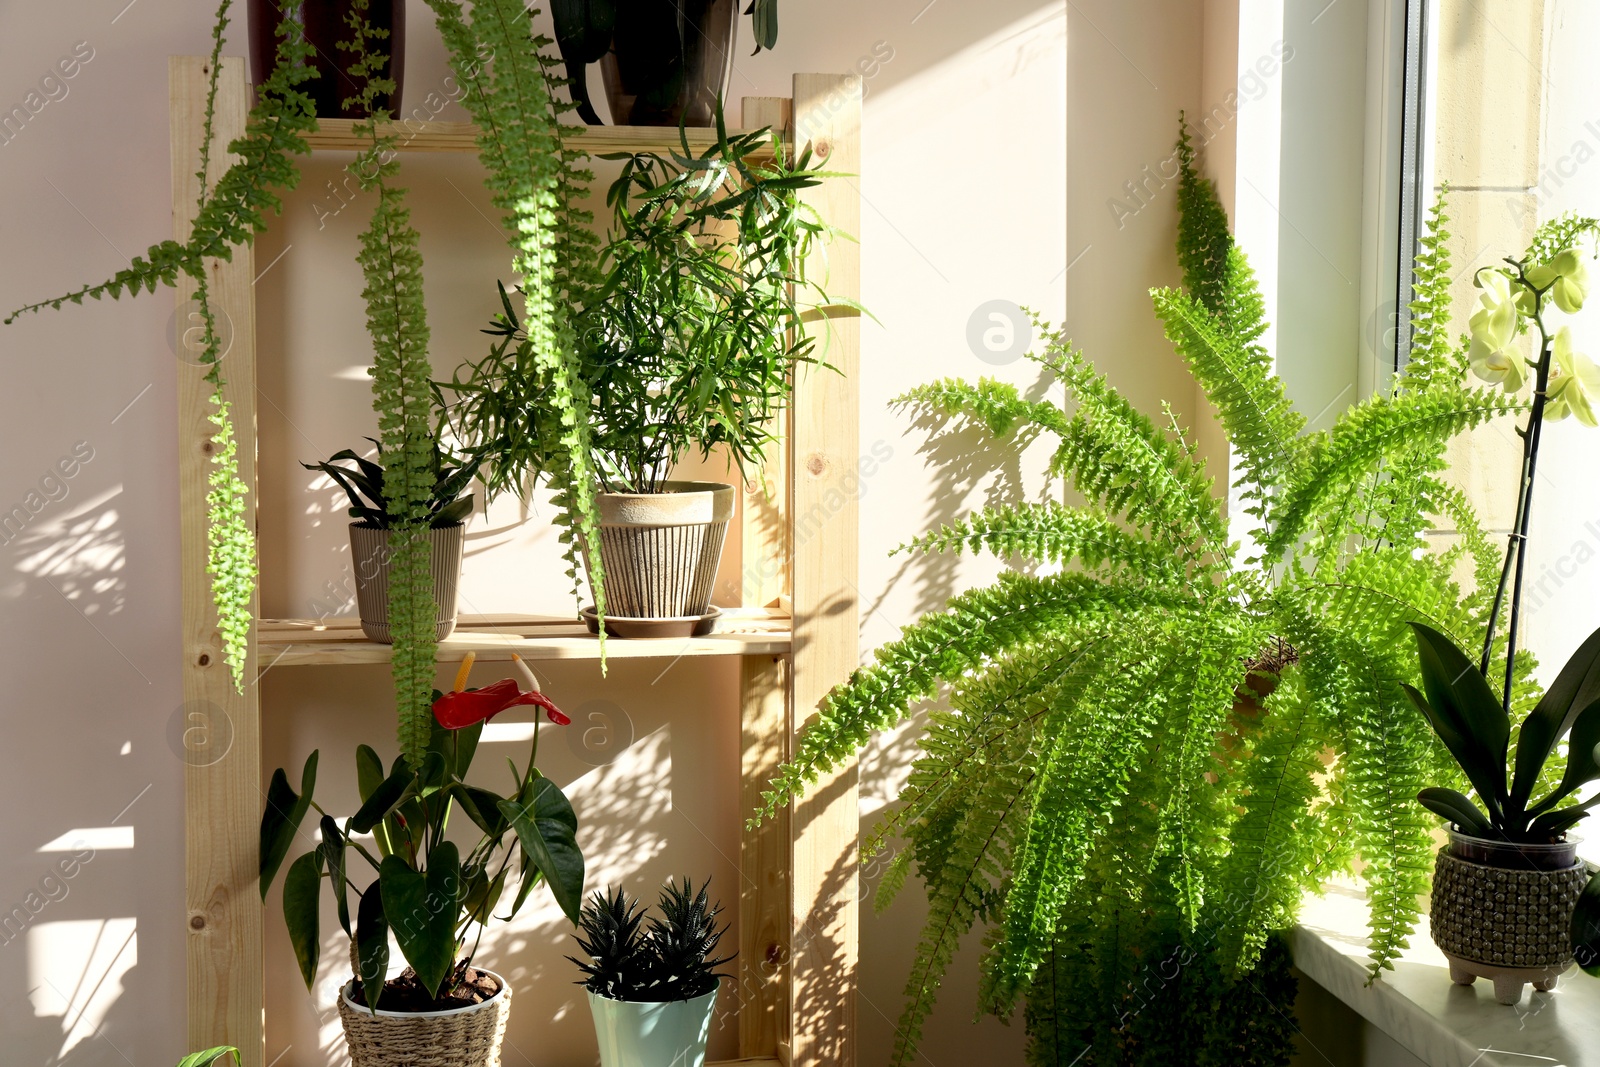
(1442, 1024)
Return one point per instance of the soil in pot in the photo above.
(405, 993)
(325, 28)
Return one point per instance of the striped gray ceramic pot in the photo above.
(661, 550)
(372, 556)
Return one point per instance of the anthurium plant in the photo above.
(528, 837)
(369, 503)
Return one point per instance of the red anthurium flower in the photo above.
(456, 711)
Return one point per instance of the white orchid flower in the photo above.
(1574, 383)
(1493, 328)
(1565, 278)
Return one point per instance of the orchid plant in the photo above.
(404, 816)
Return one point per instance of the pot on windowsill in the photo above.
(372, 556)
(468, 1036)
(661, 550)
(669, 1033)
(325, 27)
(1503, 911)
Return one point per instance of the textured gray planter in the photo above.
(1508, 916)
(372, 555)
(661, 550)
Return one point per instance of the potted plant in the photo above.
(652, 988)
(424, 890)
(1505, 887)
(686, 335)
(1158, 739)
(336, 93)
(664, 64)
(372, 535)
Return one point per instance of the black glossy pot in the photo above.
(324, 22)
(670, 61)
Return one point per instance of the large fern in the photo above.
(1153, 755)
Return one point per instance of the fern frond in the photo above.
(1434, 359)
(1363, 435)
(1204, 243)
(1053, 533)
(1250, 400)
(997, 406)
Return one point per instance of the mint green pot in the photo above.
(644, 1034)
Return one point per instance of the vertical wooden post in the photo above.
(823, 456)
(222, 750)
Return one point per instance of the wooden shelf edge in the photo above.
(310, 642)
(338, 135)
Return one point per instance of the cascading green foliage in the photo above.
(402, 394)
(534, 178)
(1134, 762)
(230, 213)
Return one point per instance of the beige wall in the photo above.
(965, 158)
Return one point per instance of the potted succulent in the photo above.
(652, 987)
(664, 64)
(1505, 887)
(424, 890)
(685, 336)
(373, 534)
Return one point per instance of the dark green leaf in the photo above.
(281, 820)
(1461, 696)
(422, 909)
(1583, 762)
(547, 827)
(391, 792)
(1575, 689)
(333, 847)
(372, 941)
(301, 896)
(1586, 928)
(1451, 805)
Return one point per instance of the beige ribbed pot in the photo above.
(661, 550)
(372, 555)
(1504, 912)
(463, 1037)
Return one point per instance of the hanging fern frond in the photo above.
(997, 406)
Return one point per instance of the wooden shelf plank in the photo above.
(312, 642)
(338, 135)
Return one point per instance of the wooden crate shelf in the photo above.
(312, 642)
(338, 135)
(797, 933)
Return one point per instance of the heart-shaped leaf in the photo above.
(548, 828)
(1574, 690)
(301, 896)
(389, 794)
(372, 942)
(483, 808)
(282, 818)
(422, 909)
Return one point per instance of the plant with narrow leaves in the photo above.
(210, 1057)
(1163, 744)
(671, 958)
(369, 503)
(425, 890)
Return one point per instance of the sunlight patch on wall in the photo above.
(95, 838)
(75, 973)
(81, 553)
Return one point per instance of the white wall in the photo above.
(964, 166)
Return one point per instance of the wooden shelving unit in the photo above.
(797, 929)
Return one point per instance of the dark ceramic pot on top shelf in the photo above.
(325, 28)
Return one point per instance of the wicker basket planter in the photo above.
(372, 555)
(463, 1037)
(661, 550)
(652, 1034)
(1504, 912)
